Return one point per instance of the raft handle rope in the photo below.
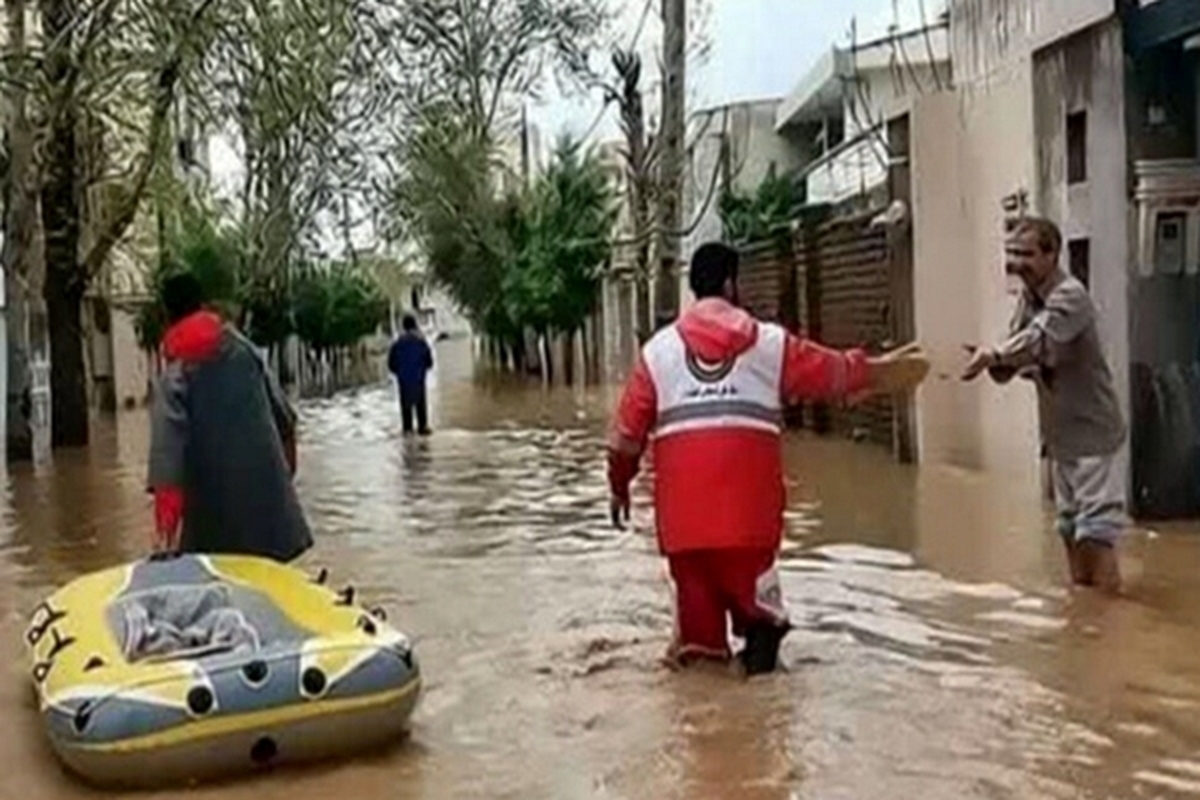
(321, 576)
(379, 613)
(346, 596)
(95, 662)
(368, 625)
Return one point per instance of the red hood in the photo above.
(194, 338)
(716, 330)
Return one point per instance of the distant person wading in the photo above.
(223, 441)
(410, 359)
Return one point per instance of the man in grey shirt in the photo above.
(1053, 341)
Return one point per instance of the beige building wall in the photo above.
(971, 150)
(131, 373)
(747, 131)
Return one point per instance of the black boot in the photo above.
(760, 656)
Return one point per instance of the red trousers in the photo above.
(712, 585)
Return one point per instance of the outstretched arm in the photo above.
(1037, 336)
(814, 372)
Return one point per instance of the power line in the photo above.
(933, 67)
(637, 34)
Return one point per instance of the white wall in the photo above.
(130, 372)
(972, 148)
(754, 146)
(880, 95)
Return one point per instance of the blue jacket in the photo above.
(409, 359)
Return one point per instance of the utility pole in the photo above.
(670, 218)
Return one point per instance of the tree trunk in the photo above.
(20, 228)
(568, 345)
(65, 277)
(68, 372)
(645, 312)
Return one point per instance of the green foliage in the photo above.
(447, 201)
(337, 306)
(530, 260)
(759, 216)
(560, 237)
(330, 307)
(194, 243)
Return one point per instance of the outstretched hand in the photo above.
(899, 370)
(980, 360)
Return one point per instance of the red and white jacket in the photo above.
(709, 392)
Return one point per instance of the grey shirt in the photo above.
(217, 431)
(1054, 341)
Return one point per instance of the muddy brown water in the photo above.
(937, 654)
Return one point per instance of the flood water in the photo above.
(937, 654)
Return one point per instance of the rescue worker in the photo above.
(709, 391)
(223, 440)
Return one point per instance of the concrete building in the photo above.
(837, 115)
(732, 149)
(1086, 112)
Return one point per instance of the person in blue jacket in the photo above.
(410, 359)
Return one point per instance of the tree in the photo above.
(20, 232)
(194, 242)
(97, 63)
(640, 164)
(469, 62)
(296, 82)
(337, 307)
(758, 216)
(473, 57)
(560, 244)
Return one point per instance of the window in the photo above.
(1077, 147)
(1079, 253)
(1170, 243)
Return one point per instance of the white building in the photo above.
(839, 110)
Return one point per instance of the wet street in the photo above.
(937, 654)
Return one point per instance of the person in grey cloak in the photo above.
(223, 440)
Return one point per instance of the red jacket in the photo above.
(709, 391)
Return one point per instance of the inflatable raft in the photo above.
(192, 667)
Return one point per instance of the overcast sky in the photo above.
(759, 49)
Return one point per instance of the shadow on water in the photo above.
(936, 653)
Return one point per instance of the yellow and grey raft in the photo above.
(193, 667)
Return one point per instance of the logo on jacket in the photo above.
(708, 372)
